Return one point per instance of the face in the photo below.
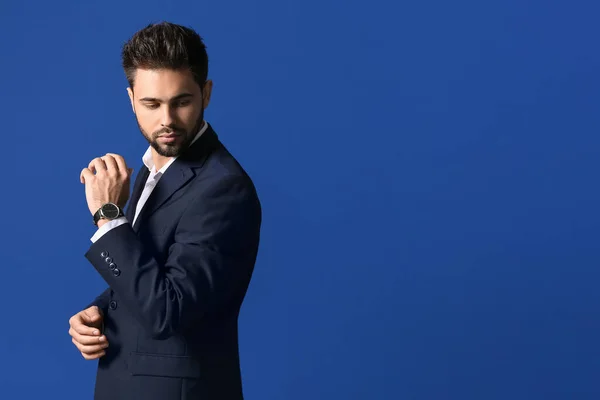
(169, 108)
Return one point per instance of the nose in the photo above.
(167, 116)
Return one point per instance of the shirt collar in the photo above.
(147, 157)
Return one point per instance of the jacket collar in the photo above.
(179, 173)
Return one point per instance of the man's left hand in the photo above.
(106, 180)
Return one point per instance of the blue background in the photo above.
(428, 172)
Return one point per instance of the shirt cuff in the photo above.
(107, 227)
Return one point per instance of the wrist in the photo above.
(107, 212)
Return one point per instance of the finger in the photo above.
(94, 348)
(94, 356)
(111, 164)
(85, 174)
(97, 164)
(87, 340)
(120, 162)
(90, 349)
(83, 329)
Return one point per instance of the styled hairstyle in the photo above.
(165, 45)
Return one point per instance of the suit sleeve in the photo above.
(101, 301)
(209, 263)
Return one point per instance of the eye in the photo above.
(151, 106)
(182, 103)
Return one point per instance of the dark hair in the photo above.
(165, 45)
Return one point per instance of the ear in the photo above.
(130, 93)
(206, 92)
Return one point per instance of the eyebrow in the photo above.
(178, 97)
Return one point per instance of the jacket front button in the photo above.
(113, 305)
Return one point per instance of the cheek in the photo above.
(149, 121)
(189, 116)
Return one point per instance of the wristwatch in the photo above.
(108, 211)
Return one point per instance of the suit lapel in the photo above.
(138, 187)
(176, 176)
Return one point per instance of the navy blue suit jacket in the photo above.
(177, 279)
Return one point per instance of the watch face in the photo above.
(110, 211)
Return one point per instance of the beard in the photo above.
(179, 146)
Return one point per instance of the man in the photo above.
(179, 261)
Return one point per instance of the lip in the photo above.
(168, 138)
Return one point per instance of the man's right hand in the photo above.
(85, 331)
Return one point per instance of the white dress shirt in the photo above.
(151, 182)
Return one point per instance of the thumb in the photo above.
(92, 314)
